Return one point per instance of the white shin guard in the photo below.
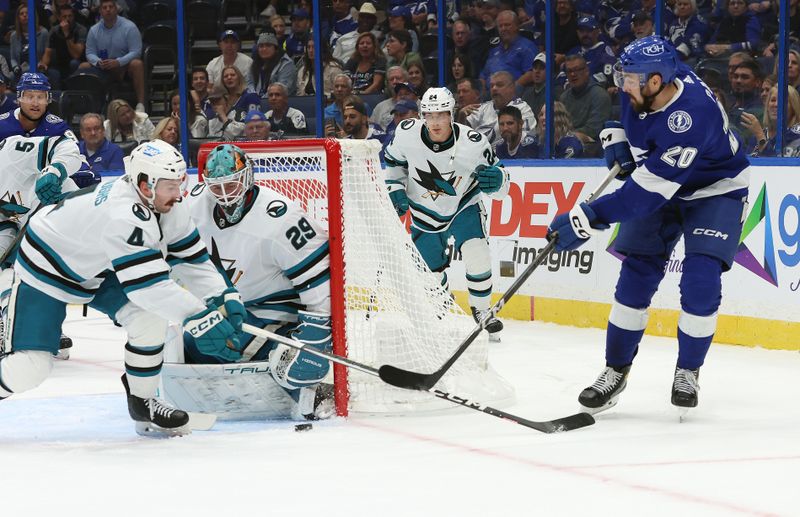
(24, 370)
(478, 265)
(145, 349)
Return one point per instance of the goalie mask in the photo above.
(229, 177)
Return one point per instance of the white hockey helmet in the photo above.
(154, 160)
(436, 100)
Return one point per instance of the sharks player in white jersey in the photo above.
(111, 247)
(277, 256)
(35, 171)
(438, 169)
(686, 176)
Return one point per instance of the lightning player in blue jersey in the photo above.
(32, 119)
(688, 176)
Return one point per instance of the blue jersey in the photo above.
(689, 36)
(49, 125)
(528, 148)
(683, 151)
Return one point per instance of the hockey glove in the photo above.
(400, 201)
(213, 334)
(293, 368)
(48, 186)
(490, 178)
(230, 304)
(85, 178)
(616, 148)
(573, 229)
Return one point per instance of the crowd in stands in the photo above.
(379, 58)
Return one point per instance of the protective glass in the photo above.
(170, 189)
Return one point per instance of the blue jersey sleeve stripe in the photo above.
(391, 161)
(42, 153)
(312, 260)
(52, 257)
(281, 296)
(136, 259)
(54, 146)
(196, 258)
(655, 183)
(185, 243)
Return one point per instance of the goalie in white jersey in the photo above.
(278, 258)
(438, 169)
(111, 246)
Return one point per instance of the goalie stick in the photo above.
(558, 425)
(424, 382)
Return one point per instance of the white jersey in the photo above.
(276, 255)
(438, 178)
(71, 247)
(22, 159)
(484, 120)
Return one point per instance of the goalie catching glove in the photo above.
(213, 334)
(490, 178)
(574, 228)
(48, 185)
(616, 148)
(294, 368)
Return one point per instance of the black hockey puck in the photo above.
(303, 427)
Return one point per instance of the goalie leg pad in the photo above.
(478, 266)
(294, 368)
(24, 370)
(145, 348)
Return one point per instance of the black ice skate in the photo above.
(605, 391)
(685, 388)
(493, 325)
(154, 417)
(63, 347)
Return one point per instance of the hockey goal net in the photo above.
(387, 307)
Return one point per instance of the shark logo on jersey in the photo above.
(679, 122)
(140, 211)
(226, 265)
(435, 183)
(276, 208)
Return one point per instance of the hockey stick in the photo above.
(421, 381)
(549, 426)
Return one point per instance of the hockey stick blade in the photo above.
(420, 381)
(559, 425)
(551, 426)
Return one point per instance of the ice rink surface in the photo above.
(69, 448)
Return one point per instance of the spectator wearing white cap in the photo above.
(367, 20)
(533, 95)
(271, 65)
(229, 46)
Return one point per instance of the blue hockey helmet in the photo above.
(647, 56)
(33, 81)
(228, 175)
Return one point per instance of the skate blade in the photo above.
(63, 354)
(494, 338)
(201, 421)
(594, 410)
(683, 413)
(151, 430)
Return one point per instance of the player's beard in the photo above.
(31, 119)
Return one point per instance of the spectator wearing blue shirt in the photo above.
(599, 56)
(342, 89)
(296, 42)
(7, 102)
(101, 155)
(688, 32)
(114, 48)
(514, 143)
(739, 30)
(514, 54)
(404, 109)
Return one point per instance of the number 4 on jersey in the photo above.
(136, 238)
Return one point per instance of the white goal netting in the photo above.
(395, 311)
